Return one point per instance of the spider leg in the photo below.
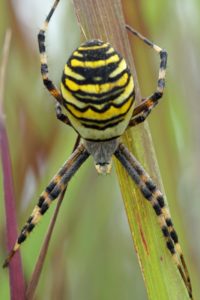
(52, 191)
(144, 108)
(155, 197)
(60, 116)
(141, 112)
(54, 91)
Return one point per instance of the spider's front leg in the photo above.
(141, 112)
(52, 191)
(48, 83)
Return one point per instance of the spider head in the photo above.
(102, 153)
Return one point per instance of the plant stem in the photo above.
(103, 19)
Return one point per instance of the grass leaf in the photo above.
(103, 19)
(17, 284)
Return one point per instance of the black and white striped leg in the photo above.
(52, 191)
(140, 118)
(60, 116)
(54, 91)
(141, 112)
(156, 198)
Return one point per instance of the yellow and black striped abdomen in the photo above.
(98, 91)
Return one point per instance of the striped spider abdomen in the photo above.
(98, 91)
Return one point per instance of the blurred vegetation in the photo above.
(97, 262)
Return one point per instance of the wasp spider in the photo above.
(97, 91)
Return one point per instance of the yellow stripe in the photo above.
(92, 115)
(95, 134)
(104, 45)
(16, 247)
(68, 71)
(67, 95)
(94, 64)
(110, 50)
(76, 53)
(121, 67)
(57, 178)
(96, 88)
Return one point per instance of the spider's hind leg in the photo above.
(141, 111)
(52, 191)
(156, 198)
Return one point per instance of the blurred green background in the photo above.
(91, 253)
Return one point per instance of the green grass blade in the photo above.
(104, 19)
(16, 276)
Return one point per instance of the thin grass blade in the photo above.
(104, 19)
(17, 283)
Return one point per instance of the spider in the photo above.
(97, 91)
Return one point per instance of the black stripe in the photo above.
(30, 227)
(41, 40)
(148, 42)
(44, 68)
(50, 14)
(98, 95)
(174, 236)
(93, 122)
(44, 208)
(42, 48)
(91, 80)
(41, 201)
(92, 43)
(163, 57)
(21, 238)
(48, 83)
(101, 121)
(30, 219)
(102, 140)
(104, 99)
(50, 187)
(146, 193)
(151, 185)
(161, 201)
(157, 209)
(55, 193)
(93, 55)
(105, 107)
(170, 246)
(161, 83)
(169, 222)
(102, 127)
(165, 231)
(89, 72)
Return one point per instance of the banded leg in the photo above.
(60, 116)
(54, 91)
(52, 191)
(141, 112)
(155, 197)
